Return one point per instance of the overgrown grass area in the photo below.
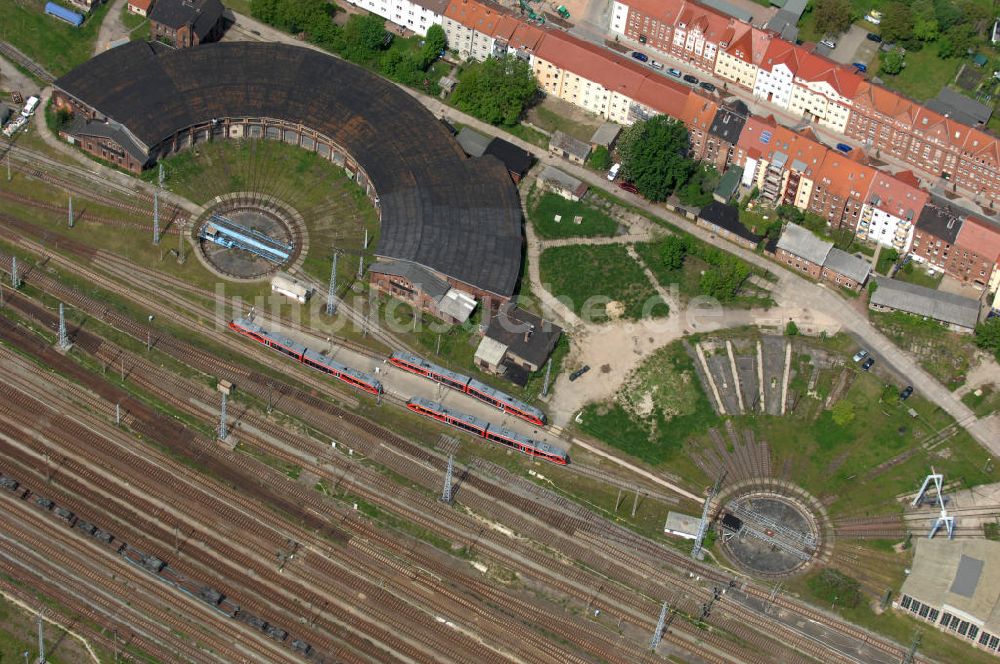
(529, 135)
(944, 354)
(924, 74)
(600, 282)
(553, 115)
(52, 43)
(335, 210)
(544, 207)
(659, 406)
(915, 274)
(984, 403)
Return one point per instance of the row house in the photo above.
(822, 92)
(776, 74)
(414, 15)
(892, 208)
(977, 252)
(697, 115)
(609, 85)
(935, 233)
(740, 61)
(841, 190)
(780, 163)
(889, 123)
(724, 133)
(470, 26)
(686, 30)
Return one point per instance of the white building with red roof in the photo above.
(776, 75)
(822, 92)
(415, 15)
(891, 210)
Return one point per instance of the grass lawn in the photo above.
(944, 354)
(138, 25)
(658, 407)
(545, 206)
(588, 277)
(54, 44)
(915, 274)
(551, 115)
(528, 134)
(984, 403)
(335, 210)
(924, 75)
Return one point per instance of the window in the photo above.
(963, 628)
(973, 630)
(984, 638)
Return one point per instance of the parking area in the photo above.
(852, 46)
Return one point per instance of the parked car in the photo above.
(655, 65)
(829, 43)
(676, 73)
(579, 372)
(613, 172)
(628, 186)
(860, 355)
(691, 79)
(868, 363)
(641, 57)
(861, 67)
(707, 86)
(905, 394)
(871, 36)
(844, 147)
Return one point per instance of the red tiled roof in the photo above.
(141, 5)
(750, 136)
(816, 68)
(781, 52)
(480, 16)
(526, 36)
(698, 111)
(714, 26)
(980, 236)
(844, 177)
(505, 28)
(897, 195)
(614, 72)
(742, 45)
(908, 177)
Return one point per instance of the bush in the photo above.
(843, 413)
(496, 90)
(988, 336)
(791, 330)
(836, 588)
(599, 159)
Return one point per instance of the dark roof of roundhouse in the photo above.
(458, 216)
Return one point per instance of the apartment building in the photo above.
(781, 163)
(686, 30)
(977, 252)
(891, 210)
(776, 74)
(740, 61)
(840, 190)
(470, 26)
(935, 234)
(822, 92)
(415, 15)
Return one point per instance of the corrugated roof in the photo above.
(417, 275)
(472, 142)
(605, 134)
(563, 179)
(848, 265)
(460, 217)
(939, 305)
(567, 143)
(801, 242)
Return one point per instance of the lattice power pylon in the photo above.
(156, 216)
(69, 219)
(696, 551)
(331, 294)
(15, 278)
(223, 432)
(660, 624)
(446, 490)
(63, 336)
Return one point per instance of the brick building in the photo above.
(185, 23)
(936, 231)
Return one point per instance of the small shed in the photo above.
(565, 146)
(564, 184)
(73, 18)
(490, 354)
(472, 142)
(728, 185)
(517, 160)
(606, 135)
(287, 285)
(980, 60)
(447, 85)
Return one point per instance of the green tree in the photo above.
(843, 413)
(312, 17)
(832, 16)
(497, 90)
(673, 251)
(363, 37)
(925, 29)
(957, 41)
(892, 62)
(599, 159)
(697, 191)
(435, 42)
(724, 282)
(791, 329)
(791, 213)
(654, 156)
(988, 336)
(897, 22)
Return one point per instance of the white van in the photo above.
(30, 106)
(613, 173)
